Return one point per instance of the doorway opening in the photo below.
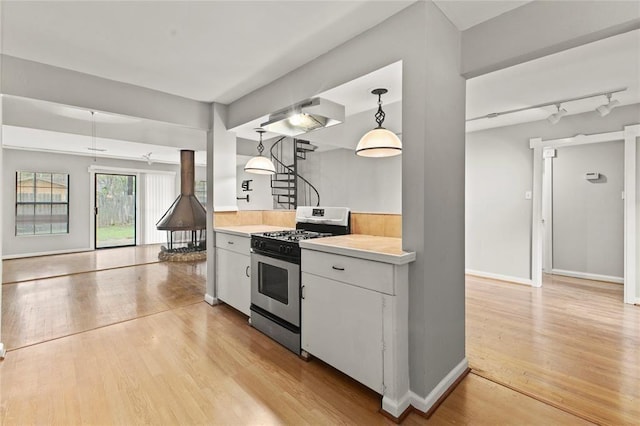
(115, 210)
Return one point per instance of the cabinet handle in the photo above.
(229, 242)
(302, 292)
(246, 271)
(338, 268)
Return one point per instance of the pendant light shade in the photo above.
(260, 165)
(379, 142)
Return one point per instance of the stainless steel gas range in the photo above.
(275, 280)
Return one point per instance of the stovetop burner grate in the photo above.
(295, 235)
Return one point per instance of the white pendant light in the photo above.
(610, 105)
(379, 142)
(260, 165)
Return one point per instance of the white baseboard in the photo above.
(45, 253)
(396, 408)
(588, 276)
(210, 299)
(2, 351)
(517, 280)
(425, 404)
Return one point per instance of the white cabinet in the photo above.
(342, 325)
(233, 265)
(355, 318)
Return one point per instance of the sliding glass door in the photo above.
(115, 212)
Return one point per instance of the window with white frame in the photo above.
(42, 203)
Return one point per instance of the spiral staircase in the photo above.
(288, 188)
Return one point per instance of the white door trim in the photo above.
(629, 135)
(547, 213)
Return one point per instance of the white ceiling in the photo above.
(596, 67)
(465, 14)
(207, 50)
(221, 50)
(203, 50)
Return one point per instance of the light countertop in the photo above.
(381, 249)
(247, 230)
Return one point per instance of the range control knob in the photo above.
(262, 244)
(288, 250)
(282, 248)
(254, 243)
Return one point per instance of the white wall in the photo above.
(80, 198)
(588, 215)
(499, 169)
(260, 197)
(224, 167)
(372, 185)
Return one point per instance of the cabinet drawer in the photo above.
(233, 242)
(363, 273)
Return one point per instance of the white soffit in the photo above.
(596, 67)
(64, 143)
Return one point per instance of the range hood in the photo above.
(186, 213)
(304, 117)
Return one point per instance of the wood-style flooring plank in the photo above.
(33, 268)
(40, 310)
(201, 364)
(572, 343)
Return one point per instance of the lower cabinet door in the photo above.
(234, 284)
(342, 325)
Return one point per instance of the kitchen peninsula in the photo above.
(354, 303)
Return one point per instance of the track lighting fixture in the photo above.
(379, 142)
(260, 164)
(556, 116)
(606, 108)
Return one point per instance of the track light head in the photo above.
(605, 109)
(555, 117)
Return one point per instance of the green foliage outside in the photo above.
(115, 232)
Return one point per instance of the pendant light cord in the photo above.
(260, 146)
(380, 113)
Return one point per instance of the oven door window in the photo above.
(273, 282)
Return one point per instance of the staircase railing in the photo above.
(288, 188)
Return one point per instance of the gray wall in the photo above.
(372, 185)
(80, 195)
(588, 215)
(499, 169)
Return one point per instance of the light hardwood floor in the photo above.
(169, 358)
(571, 343)
(33, 268)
